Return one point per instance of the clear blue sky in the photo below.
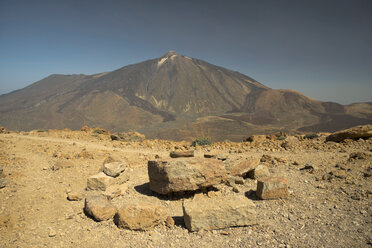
(322, 48)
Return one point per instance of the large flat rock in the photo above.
(218, 213)
(185, 174)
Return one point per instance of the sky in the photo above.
(321, 48)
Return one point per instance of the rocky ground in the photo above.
(329, 204)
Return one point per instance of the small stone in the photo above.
(169, 221)
(239, 180)
(309, 167)
(181, 154)
(3, 183)
(114, 169)
(99, 208)
(74, 196)
(62, 164)
(272, 188)
(235, 189)
(52, 233)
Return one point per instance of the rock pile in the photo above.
(110, 180)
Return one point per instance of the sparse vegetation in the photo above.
(281, 138)
(98, 131)
(201, 142)
(311, 136)
(42, 130)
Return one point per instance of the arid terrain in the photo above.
(329, 185)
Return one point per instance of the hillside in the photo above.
(172, 97)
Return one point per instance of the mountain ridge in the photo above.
(165, 97)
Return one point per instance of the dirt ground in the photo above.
(329, 205)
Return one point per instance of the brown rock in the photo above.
(3, 182)
(169, 221)
(99, 182)
(115, 190)
(187, 174)
(140, 216)
(99, 208)
(259, 172)
(272, 188)
(204, 213)
(358, 132)
(74, 196)
(180, 154)
(243, 167)
(86, 129)
(114, 169)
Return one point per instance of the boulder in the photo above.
(181, 154)
(99, 208)
(187, 174)
(242, 167)
(140, 216)
(272, 188)
(358, 132)
(99, 182)
(259, 172)
(205, 213)
(114, 169)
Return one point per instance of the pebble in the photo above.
(52, 233)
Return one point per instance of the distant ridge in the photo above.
(173, 97)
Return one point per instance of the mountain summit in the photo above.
(174, 97)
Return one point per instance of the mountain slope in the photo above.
(174, 97)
